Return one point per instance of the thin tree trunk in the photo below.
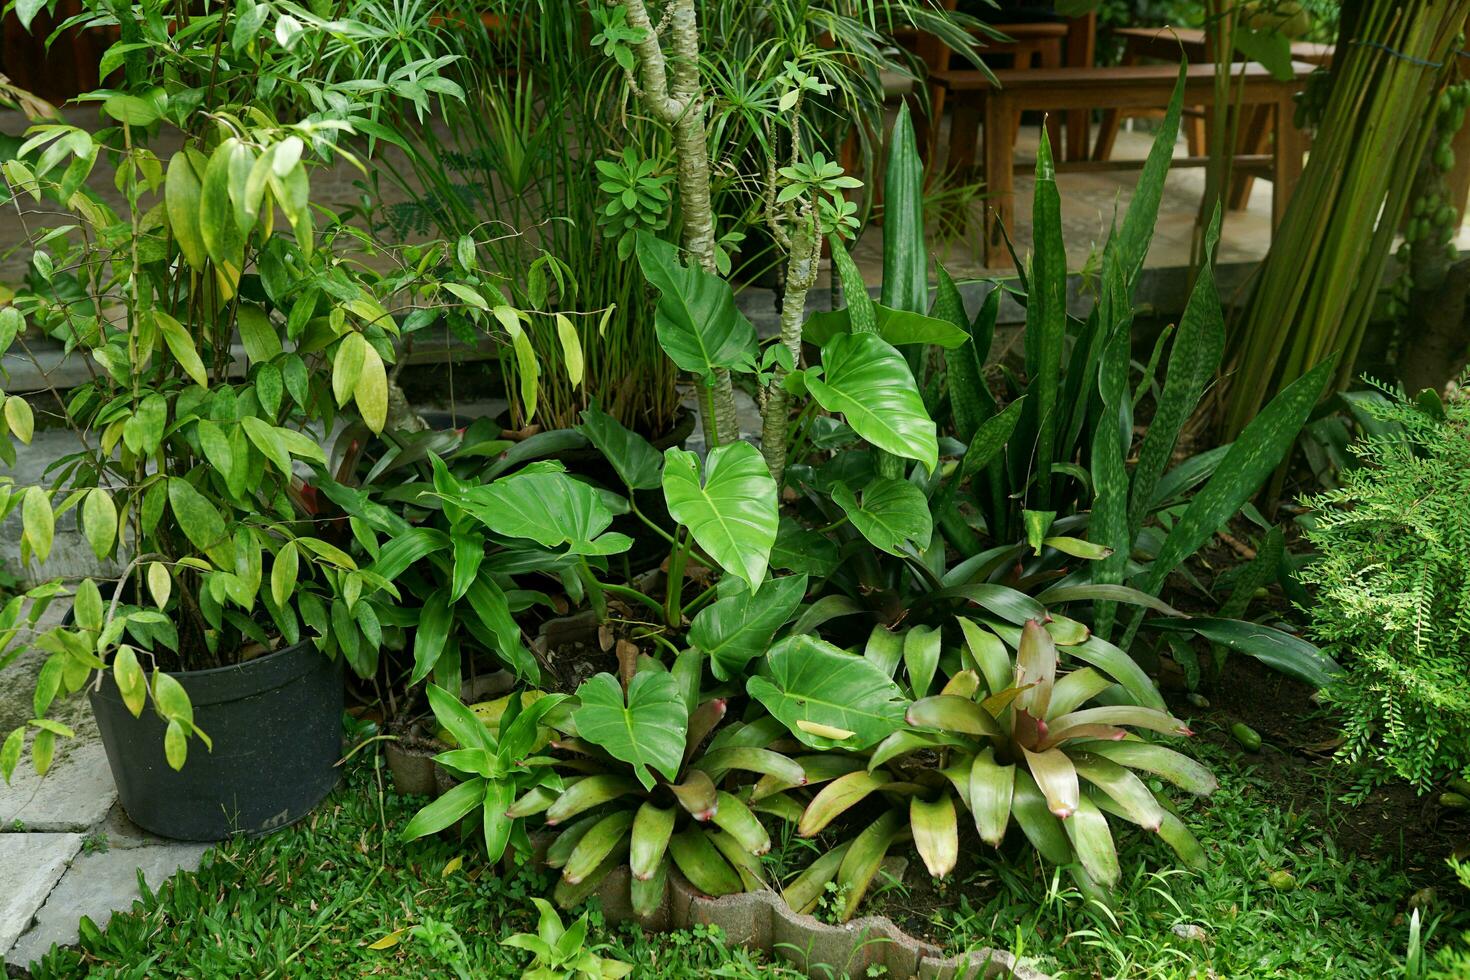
(671, 90)
(801, 275)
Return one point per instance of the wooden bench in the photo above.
(1194, 45)
(975, 99)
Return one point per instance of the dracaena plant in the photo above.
(1008, 738)
(462, 584)
(497, 763)
(658, 785)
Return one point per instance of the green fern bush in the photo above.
(1392, 577)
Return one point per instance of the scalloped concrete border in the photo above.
(762, 920)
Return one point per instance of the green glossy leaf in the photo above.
(809, 680)
(905, 251)
(549, 508)
(891, 515)
(696, 320)
(1260, 449)
(1143, 210)
(868, 382)
(200, 521)
(921, 647)
(898, 327)
(804, 550)
(637, 462)
(436, 619)
(1193, 361)
(646, 731)
(732, 512)
(1046, 319)
(735, 630)
(182, 192)
(447, 810)
(1276, 648)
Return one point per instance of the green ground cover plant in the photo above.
(1392, 591)
(364, 894)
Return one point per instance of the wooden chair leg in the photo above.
(1081, 52)
(1254, 139)
(1194, 132)
(1049, 55)
(1291, 146)
(927, 125)
(1112, 119)
(963, 130)
(999, 179)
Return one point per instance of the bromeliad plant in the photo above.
(656, 788)
(1009, 737)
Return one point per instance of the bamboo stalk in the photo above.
(1317, 286)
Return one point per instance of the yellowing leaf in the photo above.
(825, 731)
(181, 345)
(181, 198)
(571, 348)
(175, 745)
(526, 365)
(160, 583)
(371, 391)
(19, 417)
(99, 521)
(389, 941)
(131, 683)
(347, 366)
(38, 523)
(452, 866)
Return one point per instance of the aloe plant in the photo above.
(647, 791)
(1013, 740)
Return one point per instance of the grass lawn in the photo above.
(313, 900)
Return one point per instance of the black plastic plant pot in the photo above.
(276, 724)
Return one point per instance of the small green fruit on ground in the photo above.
(1247, 736)
(1282, 881)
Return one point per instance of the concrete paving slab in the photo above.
(30, 866)
(98, 884)
(74, 796)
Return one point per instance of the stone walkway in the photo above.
(66, 847)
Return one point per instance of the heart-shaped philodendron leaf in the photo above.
(549, 508)
(828, 698)
(732, 513)
(646, 730)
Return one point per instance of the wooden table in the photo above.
(975, 98)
